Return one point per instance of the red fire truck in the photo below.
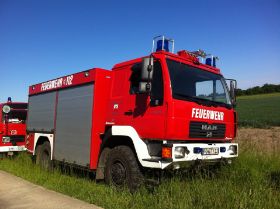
(12, 127)
(163, 111)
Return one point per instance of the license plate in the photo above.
(210, 151)
(20, 148)
(13, 149)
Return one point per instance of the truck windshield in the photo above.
(193, 84)
(17, 114)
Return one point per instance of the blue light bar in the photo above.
(211, 61)
(214, 61)
(165, 47)
(208, 61)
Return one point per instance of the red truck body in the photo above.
(13, 127)
(83, 116)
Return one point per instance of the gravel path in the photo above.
(16, 193)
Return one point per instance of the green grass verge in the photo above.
(260, 111)
(252, 181)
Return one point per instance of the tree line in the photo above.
(266, 88)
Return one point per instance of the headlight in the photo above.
(233, 149)
(180, 152)
(6, 139)
(6, 109)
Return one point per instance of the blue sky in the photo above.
(45, 39)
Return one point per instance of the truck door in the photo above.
(147, 111)
(119, 109)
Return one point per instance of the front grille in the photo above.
(205, 130)
(16, 139)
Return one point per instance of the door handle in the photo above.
(129, 112)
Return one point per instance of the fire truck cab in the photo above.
(163, 111)
(12, 127)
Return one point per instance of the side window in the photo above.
(157, 85)
(135, 78)
(157, 82)
(220, 95)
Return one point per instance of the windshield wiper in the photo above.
(197, 100)
(201, 101)
(216, 103)
(228, 106)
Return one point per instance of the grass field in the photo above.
(259, 110)
(252, 181)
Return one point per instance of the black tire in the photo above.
(122, 169)
(43, 156)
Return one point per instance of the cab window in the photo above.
(157, 81)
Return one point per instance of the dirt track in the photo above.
(262, 140)
(16, 193)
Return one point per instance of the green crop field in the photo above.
(259, 110)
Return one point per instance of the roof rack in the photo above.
(209, 58)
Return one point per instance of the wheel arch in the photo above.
(41, 141)
(109, 142)
(40, 138)
(123, 135)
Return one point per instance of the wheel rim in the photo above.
(118, 173)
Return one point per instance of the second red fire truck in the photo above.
(12, 127)
(163, 111)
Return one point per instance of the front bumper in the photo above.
(224, 151)
(194, 153)
(12, 148)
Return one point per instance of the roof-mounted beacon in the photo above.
(163, 44)
(209, 58)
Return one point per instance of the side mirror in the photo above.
(233, 87)
(146, 75)
(144, 87)
(6, 109)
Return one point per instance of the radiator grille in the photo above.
(17, 138)
(205, 130)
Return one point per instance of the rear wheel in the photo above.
(122, 169)
(43, 156)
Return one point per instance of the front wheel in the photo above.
(43, 156)
(122, 169)
(3, 155)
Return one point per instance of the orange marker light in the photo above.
(166, 152)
